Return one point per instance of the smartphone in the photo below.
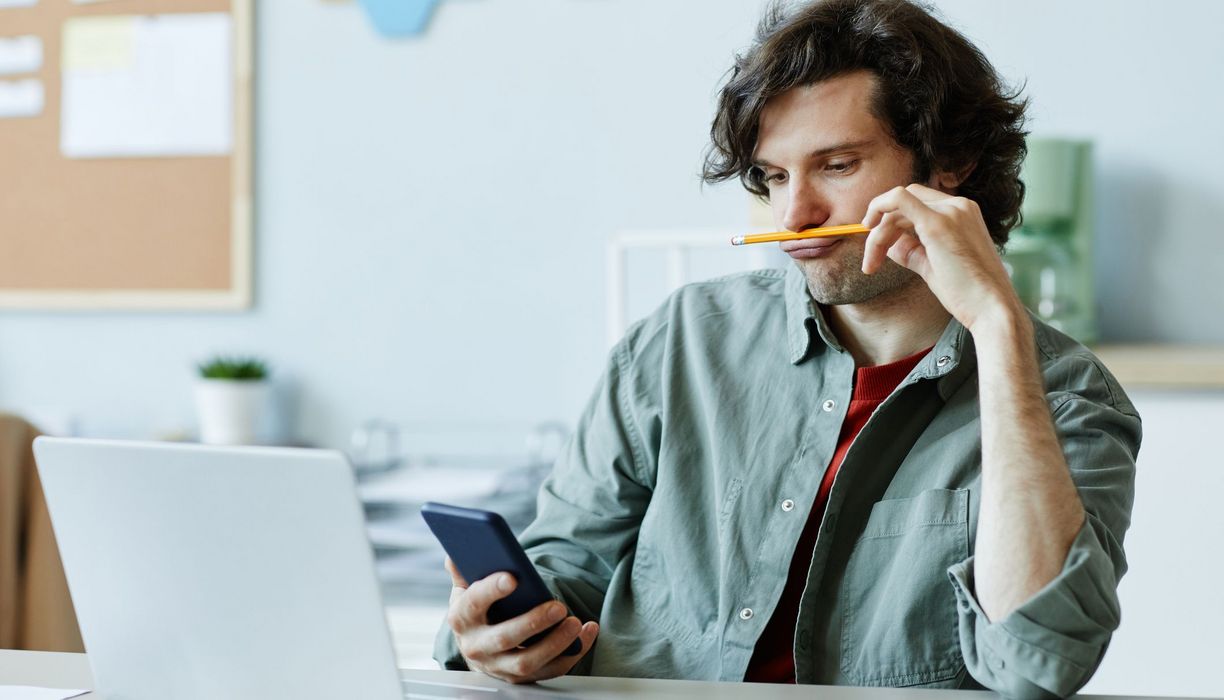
(480, 543)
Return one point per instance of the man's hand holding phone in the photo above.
(498, 649)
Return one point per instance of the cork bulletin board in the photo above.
(125, 154)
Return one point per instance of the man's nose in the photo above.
(806, 208)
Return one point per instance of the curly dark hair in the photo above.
(938, 95)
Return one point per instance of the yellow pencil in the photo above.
(847, 230)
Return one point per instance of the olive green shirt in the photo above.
(672, 516)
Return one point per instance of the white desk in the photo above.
(413, 628)
(72, 671)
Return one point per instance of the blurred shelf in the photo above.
(1165, 366)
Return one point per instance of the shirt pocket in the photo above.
(899, 620)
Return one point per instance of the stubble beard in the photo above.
(839, 279)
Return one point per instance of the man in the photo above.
(874, 468)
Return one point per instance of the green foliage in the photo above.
(239, 368)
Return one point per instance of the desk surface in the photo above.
(56, 670)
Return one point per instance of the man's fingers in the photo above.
(543, 659)
(909, 253)
(926, 194)
(884, 234)
(472, 607)
(512, 633)
(899, 211)
(457, 579)
(562, 664)
(901, 200)
(525, 666)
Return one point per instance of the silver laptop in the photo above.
(239, 573)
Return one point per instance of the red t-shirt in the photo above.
(773, 660)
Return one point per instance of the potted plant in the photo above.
(231, 398)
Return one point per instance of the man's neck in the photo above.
(890, 327)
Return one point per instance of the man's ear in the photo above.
(948, 181)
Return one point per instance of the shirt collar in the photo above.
(950, 360)
(802, 318)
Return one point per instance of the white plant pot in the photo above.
(230, 411)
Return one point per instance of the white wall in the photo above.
(1143, 80)
(1170, 641)
(431, 217)
(432, 214)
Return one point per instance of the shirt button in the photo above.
(943, 361)
(788, 505)
(829, 405)
(999, 664)
(746, 614)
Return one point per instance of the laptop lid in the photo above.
(204, 572)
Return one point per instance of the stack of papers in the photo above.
(25, 692)
(416, 485)
(407, 553)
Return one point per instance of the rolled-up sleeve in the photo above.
(591, 506)
(1052, 643)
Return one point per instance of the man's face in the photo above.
(825, 155)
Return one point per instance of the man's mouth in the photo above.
(808, 248)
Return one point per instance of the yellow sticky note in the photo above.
(99, 43)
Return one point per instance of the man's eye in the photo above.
(776, 178)
(842, 167)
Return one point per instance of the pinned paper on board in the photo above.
(146, 86)
(99, 44)
(394, 18)
(21, 98)
(20, 54)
